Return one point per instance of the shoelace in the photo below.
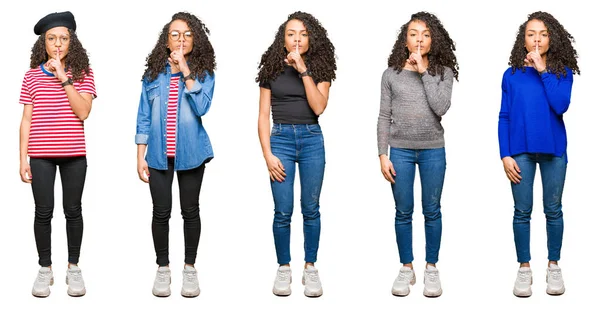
(43, 277)
(555, 274)
(162, 276)
(432, 276)
(189, 276)
(75, 276)
(524, 276)
(403, 276)
(283, 275)
(313, 276)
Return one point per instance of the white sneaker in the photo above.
(75, 281)
(433, 286)
(41, 286)
(406, 278)
(190, 286)
(523, 283)
(162, 282)
(311, 281)
(556, 285)
(281, 286)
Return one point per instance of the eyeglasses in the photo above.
(63, 39)
(176, 35)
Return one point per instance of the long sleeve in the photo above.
(200, 96)
(558, 91)
(438, 91)
(143, 118)
(504, 120)
(385, 115)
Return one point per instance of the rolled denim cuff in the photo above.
(141, 139)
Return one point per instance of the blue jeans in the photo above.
(553, 170)
(302, 144)
(432, 168)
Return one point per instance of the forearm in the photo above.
(141, 151)
(24, 140)
(316, 100)
(80, 106)
(438, 92)
(264, 135)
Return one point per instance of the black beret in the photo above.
(62, 19)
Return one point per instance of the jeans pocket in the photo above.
(275, 130)
(314, 129)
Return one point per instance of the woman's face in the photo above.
(418, 35)
(296, 37)
(57, 42)
(536, 35)
(180, 35)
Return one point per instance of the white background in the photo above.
(358, 258)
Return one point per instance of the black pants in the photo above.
(72, 175)
(190, 182)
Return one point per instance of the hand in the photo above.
(177, 59)
(295, 60)
(54, 65)
(416, 61)
(387, 168)
(25, 171)
(276, 169)
(143, 171)
(512, 170)
(534, 59)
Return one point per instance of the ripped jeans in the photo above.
(302, 144)
(432, 169)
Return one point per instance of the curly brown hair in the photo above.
(76, 59)
(560, 53)
(200, 59)
(441, 53)
(319, 59)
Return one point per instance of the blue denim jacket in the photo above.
(193, 146)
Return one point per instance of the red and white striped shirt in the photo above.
(55, 129)
(172, 115)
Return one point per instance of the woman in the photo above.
(536, 92)
(295, 74)
(177, 91)
(56, 94)
(415, 94)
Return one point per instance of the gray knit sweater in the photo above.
(411, 109)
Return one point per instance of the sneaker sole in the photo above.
(432, 294)
(75, 293)
(401, 293)
(161, 294)
(191, 294)
(43, 294)
(522, 294)
(555, 292)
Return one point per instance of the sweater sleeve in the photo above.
(438, 91)
(385, 115)
(504, 119)
(558, 91)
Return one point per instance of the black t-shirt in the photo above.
(288, 99)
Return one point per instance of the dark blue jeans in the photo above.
(302, 144)
(72, 176)
(432, 169)
(553, 171)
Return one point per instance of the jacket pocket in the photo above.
(152, 92)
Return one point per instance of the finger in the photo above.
(57, 54)
(393, 170)
(516, 172)
(297, 48)
(419, 48)
(537, 47)
(517, 167)
(527, 61)
(514, 176)
(181, 48)
(280, 165)
(286, 61)
(277, 175)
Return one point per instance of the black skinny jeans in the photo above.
(190, 182)
(72, 175)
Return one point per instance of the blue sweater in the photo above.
(531, 115)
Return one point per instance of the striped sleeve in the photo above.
(87, 85)
(25, 97)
